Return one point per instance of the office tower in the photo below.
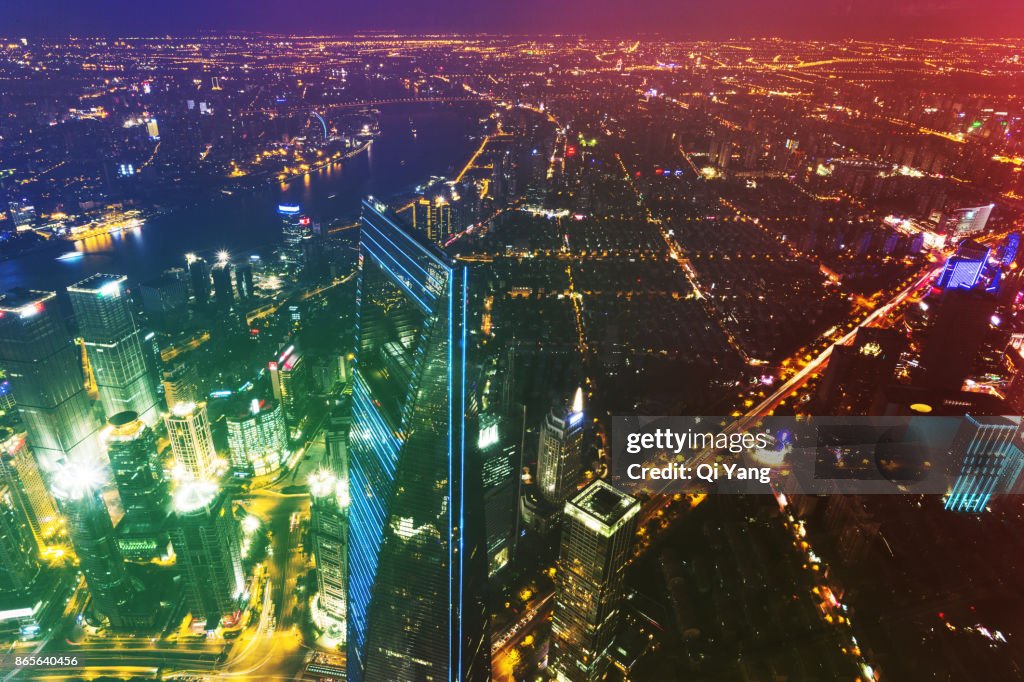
(199, 276)
(336, 439)
(257, 438)
(19, 565)
(964, 269)
(188, 429)
(152, 129)
(294, 228)
(560, 451)
(497, 453)
(76, 486)
(244, 283)
(206, 541)
(417, 561)
(223, 294)
(987, 453)
(181, 384)
(114, 346)
(965, 222)
(961, 321)
(22, 214)
(288, 380)
(20, 471)
(43, 366)
(329, 533)
(856, 372)
(139, 474)
(597, 538)
(164, 299)
(433, 218)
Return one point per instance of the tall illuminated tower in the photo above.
(188, 429)
(45, 372)
(329, 532)
(560, 451)
(206, 540)
(597, 537)
(19, 565)
(417, 560)
(135, 462)
(20, 471)
(77, 487)
(114, 346)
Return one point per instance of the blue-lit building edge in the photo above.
(373, 443)
(985, 472)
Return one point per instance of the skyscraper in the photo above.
(417, 560)
(856, 372)
(181, 385)
(244, 284)
(135, 463)
(497, 451)
(257, 438)
(988, 452)
(77, 487)
(19, 566)
(188, 428)
(597, 537)
(294, 228)
(199, 276)
(223, 294)
(43, 367)
(206, 541)
(20, 471)
(560, 451)
(114, 345)
(288, 380)
(329, 532)
(433, 218)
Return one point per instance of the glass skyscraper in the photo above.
(188, 429)
(560, 451)
(417, 557)
(114, 345)
(77, 486)
(45, 372)
(135, 463)
(597, 536)
(207, 542)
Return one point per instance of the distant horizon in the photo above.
(679, 20)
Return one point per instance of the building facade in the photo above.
(416, 562)
(114, 346)
(597, 537)
(43, 366)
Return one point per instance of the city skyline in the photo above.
(463, 355)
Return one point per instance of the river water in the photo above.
(397, 161)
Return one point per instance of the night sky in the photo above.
(669, 18)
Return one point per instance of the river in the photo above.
(397, 161)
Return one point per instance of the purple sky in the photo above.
(671, 18)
